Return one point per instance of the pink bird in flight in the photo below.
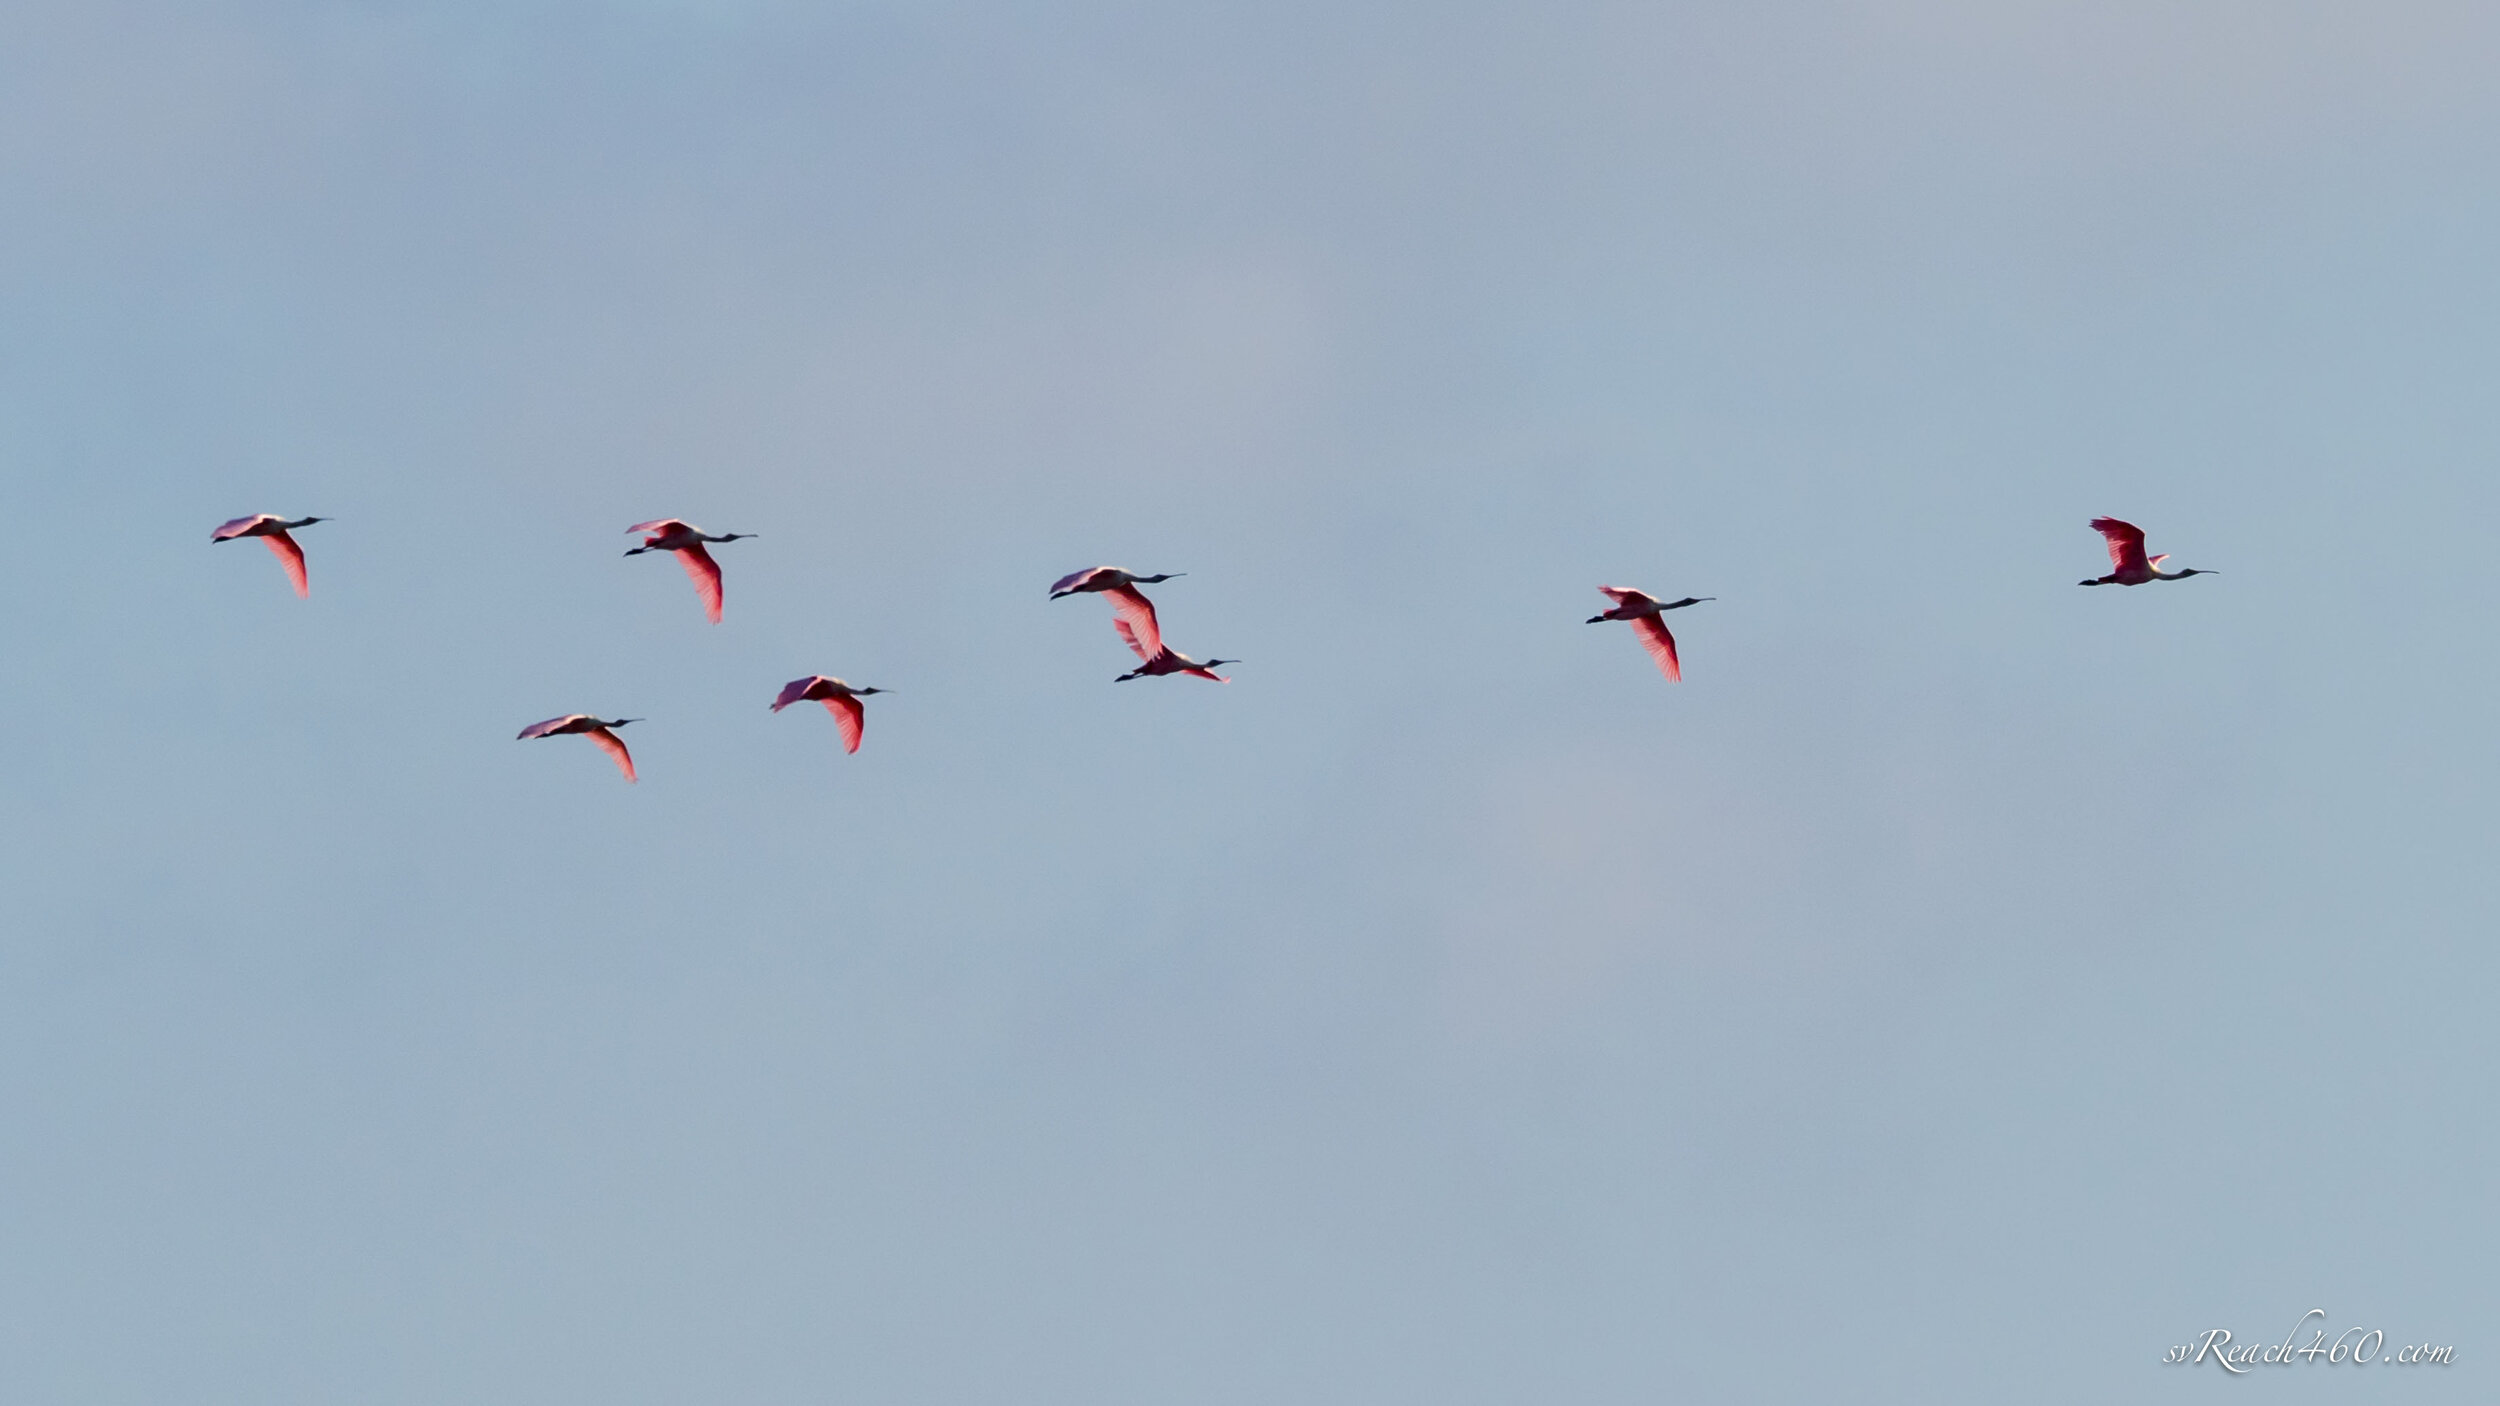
(1135, 614)
(839, 698)
(2128, 564)
(1171, 661)
(584, 725)
(1645, 611)
(271, 529)
(1163, 659)
(686, 540)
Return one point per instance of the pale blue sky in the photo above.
(1961, 989)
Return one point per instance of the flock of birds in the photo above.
(1132, 615)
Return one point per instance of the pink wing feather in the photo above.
(291, 557)
(611, 744)
(1136, 621)
(656, 525)
(2126, 543)
(1660, 644)
(1128, 637)
(793, 691)
(850, 717)
(705, 573)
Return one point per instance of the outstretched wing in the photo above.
(705, 573)
(1069, 581)
(2126, 543)
(794, 690)
(1660, 644)
(545, 729)
(1143, 632)
(850, 717)
(655, 526)
(1625, 595)
(614, 746)
(1202, 671)
(291, 557)
(1129, 637)
(235, 528)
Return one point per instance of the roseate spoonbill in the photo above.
(686, 540)
(1644, 610)
(1135, 612)
(271, 529)
(839, 698)
(2127, 560)
(596, 730)
(1163, 659)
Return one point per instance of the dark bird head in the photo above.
(620, 722)
(1166, 576)
(1213, 662)
(864, 692)
(2196, 571)
(1594, 620)
(2088, 583)
(735, 536)
(307, 522)
(1688, 600)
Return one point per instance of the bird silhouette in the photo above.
(1644, 610)
(1128, 603)
(584, 725)
(272, 529)
(686, 540)
(839, 698)
(1163, 659)
(2128, 564)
